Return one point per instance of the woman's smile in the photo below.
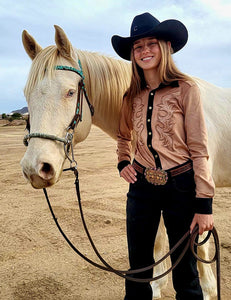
(148, 58)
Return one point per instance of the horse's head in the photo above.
(52, 94)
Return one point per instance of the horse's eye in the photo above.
(70, 93)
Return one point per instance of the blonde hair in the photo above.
(168, 72)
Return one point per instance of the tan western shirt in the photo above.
(169, 129)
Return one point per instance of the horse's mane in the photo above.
(106, 78)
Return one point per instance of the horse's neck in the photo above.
(106, 118)
(110, 130)
(106, 82)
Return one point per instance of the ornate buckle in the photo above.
(156, 176)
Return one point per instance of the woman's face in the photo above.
(147, 53)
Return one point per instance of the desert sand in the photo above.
(36, 262)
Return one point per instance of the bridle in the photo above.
(67, 140)
(190, 239)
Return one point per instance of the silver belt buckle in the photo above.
(156, 176)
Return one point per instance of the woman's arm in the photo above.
(124, 143)
(196, 135)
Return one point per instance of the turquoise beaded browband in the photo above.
(79, 72)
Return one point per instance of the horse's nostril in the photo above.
(46, 168)
(46, 171)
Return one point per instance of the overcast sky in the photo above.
(89, 25)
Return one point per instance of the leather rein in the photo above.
(67, 141)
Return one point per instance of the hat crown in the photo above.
(143, 23)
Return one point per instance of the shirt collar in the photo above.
(163, 85)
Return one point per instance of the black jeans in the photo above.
(145, 204)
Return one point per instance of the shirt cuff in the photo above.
(123, 164)
(203, 206)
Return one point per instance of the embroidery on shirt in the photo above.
(165, 122)
(138, 121)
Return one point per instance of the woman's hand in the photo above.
(129, 174)
(205, 222)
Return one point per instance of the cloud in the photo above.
(219, 8)
(90, 24)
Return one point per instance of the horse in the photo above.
(51, 96)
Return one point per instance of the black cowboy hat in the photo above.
(146, 25)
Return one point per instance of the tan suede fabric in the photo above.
(178, 131)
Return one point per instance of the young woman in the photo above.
(169, 174)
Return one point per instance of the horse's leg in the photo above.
(159, 252)
(207, 278)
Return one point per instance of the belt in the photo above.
(158, 176)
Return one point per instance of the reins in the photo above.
(68, 147)
(191, 243)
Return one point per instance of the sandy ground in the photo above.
(35, 261)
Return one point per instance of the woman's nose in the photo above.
(145, 48)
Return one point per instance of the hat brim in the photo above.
(170, 30)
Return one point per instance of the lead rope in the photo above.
(106, 266)
(190, 243)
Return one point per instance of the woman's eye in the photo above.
(136, 46)
(70, 93)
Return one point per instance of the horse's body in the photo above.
(51, 97)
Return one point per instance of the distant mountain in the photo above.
(21, 111)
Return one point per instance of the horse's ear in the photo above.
(31, 46)
(63, 44)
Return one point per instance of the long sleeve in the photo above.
(196, 135)
(124, 135)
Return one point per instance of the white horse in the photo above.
(51, 96)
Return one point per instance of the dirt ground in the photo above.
(36, 262)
